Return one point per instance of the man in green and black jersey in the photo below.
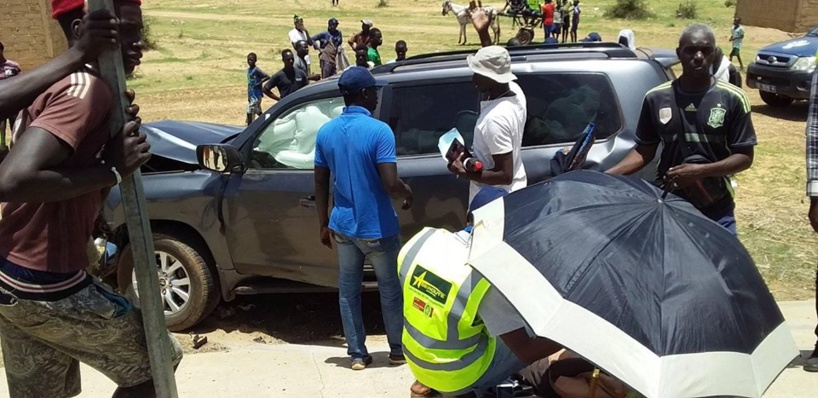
(705, 129)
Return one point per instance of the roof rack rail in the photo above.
(613, 50)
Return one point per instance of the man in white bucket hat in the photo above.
(498, 133)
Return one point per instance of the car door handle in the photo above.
(308, 202)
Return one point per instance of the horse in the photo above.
(463, 15)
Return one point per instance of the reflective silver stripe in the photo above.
(459, 305)
(459, 364)
(428, 342)
(413, 252)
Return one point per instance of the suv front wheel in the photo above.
(776, 100)
(186, 282)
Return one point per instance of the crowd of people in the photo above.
(560, 18)
(64, 161)
(298, 68)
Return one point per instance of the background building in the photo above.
(786, 15)
(30, 35)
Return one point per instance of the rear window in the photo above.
(560, 105)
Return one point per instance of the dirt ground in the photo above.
(280, 318)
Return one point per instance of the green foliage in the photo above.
(687, 10)
(629, 9)
(147, 35)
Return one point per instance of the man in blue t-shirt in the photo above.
(358, 151)
(255, 77)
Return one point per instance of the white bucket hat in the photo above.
(492, 62)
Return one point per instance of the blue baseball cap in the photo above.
(332, 21)
(592, 37)
(485, 196)
(357, 78)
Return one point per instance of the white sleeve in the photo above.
(294, 36)
(497, 136)
(498, 314)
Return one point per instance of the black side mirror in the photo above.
(222, 158)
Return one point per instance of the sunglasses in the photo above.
(693, 50)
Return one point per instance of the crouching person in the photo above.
(54, 315)
(461, 336)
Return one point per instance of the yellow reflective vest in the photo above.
(447, 346)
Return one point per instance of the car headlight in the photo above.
(804, 63)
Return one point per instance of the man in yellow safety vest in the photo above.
(453, 317)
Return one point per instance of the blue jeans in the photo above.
(504, 364)
(383, 254)
(726, 220)
(549, 29)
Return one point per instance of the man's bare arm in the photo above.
(394, 186)
(98, 33)
(635, 160)
(322, 181)
(501, 174)
(32, 172)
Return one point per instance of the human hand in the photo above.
(480, 20)
(684, 175)
(408, 200)
(457, 167)
(98, 33)
(813, 213)
(325, 234)
(132, 110)
(481, 23)
(128, 150)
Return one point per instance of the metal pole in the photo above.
(139, 231)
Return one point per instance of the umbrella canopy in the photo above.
(648, 289)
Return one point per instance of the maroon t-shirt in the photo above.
(54, 236)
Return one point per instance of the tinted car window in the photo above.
(289, 141)
(419, 115)
(560, 105)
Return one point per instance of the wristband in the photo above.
(117, 175)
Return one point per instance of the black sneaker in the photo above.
(812, 363)
(397, 359)
(361, 363)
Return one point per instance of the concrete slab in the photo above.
(259, 370)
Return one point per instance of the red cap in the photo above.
(59, 7)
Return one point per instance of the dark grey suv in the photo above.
(245, 222)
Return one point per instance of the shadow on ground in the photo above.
(379, 360)
(292, 318)
(797, 112)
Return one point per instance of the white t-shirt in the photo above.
(723, 73)
(296, 36)
(499, 130)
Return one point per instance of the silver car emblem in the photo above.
(771, 59)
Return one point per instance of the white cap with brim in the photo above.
(493, 62)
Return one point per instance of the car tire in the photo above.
(776, 100)
(183, 265)
(525, 36)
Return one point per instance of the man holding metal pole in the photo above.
(52, 314)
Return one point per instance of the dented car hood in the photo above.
(177, 140)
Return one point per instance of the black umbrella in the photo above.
(646, 288)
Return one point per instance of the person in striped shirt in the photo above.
(705, 128)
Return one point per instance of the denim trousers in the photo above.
(383, 255)
(727, 220)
